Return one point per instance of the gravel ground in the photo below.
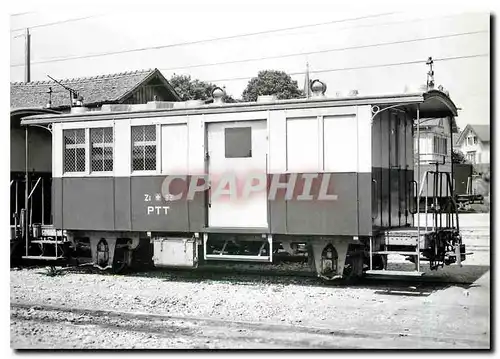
(187, 310)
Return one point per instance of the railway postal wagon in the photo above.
(245, 181)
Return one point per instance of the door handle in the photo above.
(374, 196)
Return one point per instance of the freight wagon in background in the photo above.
(245, 181)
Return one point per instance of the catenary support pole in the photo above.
(26, 192)
(418, 186)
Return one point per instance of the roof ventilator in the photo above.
(218, 96)
(318, 88)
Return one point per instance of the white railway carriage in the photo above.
(245, 181)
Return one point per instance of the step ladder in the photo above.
(398, 241)
(46, 237)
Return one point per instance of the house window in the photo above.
(444, 143)
(101, 149)
(144, 148)
(471, 156)
(440, 145)
(475, 140)
(74, 150)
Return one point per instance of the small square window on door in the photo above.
(238, 142)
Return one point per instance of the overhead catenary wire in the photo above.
(402, 63)
(202, 41)
(22, 13)
(296, 54)
(279, 56)
(57, 22)
(75, 57)
(110, 53)
(421, 61)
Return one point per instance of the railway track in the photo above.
(283, 273)
(202, 330)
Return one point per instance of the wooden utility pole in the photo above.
(27, 64)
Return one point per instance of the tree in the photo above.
(458, 157)
(272, 82)
(189, 89)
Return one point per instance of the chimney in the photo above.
(49, 105)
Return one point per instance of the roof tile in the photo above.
(95, 89)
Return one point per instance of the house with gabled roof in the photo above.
(134, 87)
(474, 143)
(61, 96)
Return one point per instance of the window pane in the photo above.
(69, 160)
(96, 135)
(137, 133)
(108, 159)
(137, 158)
(96, 159)
(108, 135)
(74, 158)
(69, 137)
(150, 133)
(80, 159)
(238, 142)
(99, 154)
(150, 158)
(138, 164)
(143, 154)
(80, 136)
(97, 165)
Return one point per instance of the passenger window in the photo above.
(74, 150)
(144, 148)
(101, 154)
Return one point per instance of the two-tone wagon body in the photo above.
(244, 181)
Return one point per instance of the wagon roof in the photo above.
(433, 103)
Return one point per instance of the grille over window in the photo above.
(102, 149)
(144, 148)
(74, 150)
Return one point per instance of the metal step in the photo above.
(47, 241)
(235, 257)
(405, 232)
(44, 258)
(394, 273)
(398, 252)
(405, 237)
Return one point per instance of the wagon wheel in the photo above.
(102, 253)
(120, 261)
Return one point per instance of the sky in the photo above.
(372, 51)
